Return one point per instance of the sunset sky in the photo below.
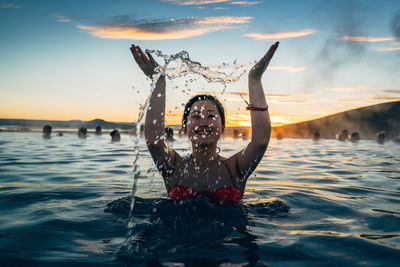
(64, 60)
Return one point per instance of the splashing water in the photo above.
(176, 65)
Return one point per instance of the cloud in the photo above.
(245, 3)
(345, 88)
(8, 5)
(246, 94)
(122, 27)
(282, 120)
(60, 18)
(390, 91)
(207, 2)
(394, 47)
(224, 20)
(367, 39)
(194, 2)
(281, 35)
(248, 67)
(220, 8)
(287, 68)
(384, 98)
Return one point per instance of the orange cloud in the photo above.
(282, 120)
(367, 39)
(273, 94)
(345, 88)
(238, 120)
(133, 33)
(390, 91)
(281, 35)
(388, 48)
(165, 30)
(248, 67)
(384, 98)
(246, 94)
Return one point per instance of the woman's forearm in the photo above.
(260, 120)
(155, 115)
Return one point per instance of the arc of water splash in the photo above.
(193, 67)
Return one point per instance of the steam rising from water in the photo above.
(395, 25)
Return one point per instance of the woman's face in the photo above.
(204, 124)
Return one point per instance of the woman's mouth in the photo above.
(203, 133)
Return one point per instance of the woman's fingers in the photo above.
(135, 55)
(141, 59)
(143, 56)
(268, 56)
(257, 71)
(151, 59)
(144, 60)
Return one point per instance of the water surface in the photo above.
(308, 204)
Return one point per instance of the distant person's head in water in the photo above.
(235, 133)
(316, 136)
(344, 135)
(98, 130)
(279, 136)
(169, 133)
(355, 137)
(82, 132)
(203, 119)
(115, 136)
(47, 131)
(380, 137)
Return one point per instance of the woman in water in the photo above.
(205, 172)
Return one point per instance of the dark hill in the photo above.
(368, 121)
(68, 124)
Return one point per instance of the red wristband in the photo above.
(251, 107)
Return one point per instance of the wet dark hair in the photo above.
(47, 129)
(196, 98)
(114, 132)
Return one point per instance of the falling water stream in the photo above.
(175, 66)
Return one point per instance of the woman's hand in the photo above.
(145, 61)
(258, 69)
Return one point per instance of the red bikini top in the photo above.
(224, 195)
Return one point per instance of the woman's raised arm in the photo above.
(247, 160)
(154, 127)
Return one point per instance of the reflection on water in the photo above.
(308, 203)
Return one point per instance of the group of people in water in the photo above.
(354, 137)
(82, 133)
